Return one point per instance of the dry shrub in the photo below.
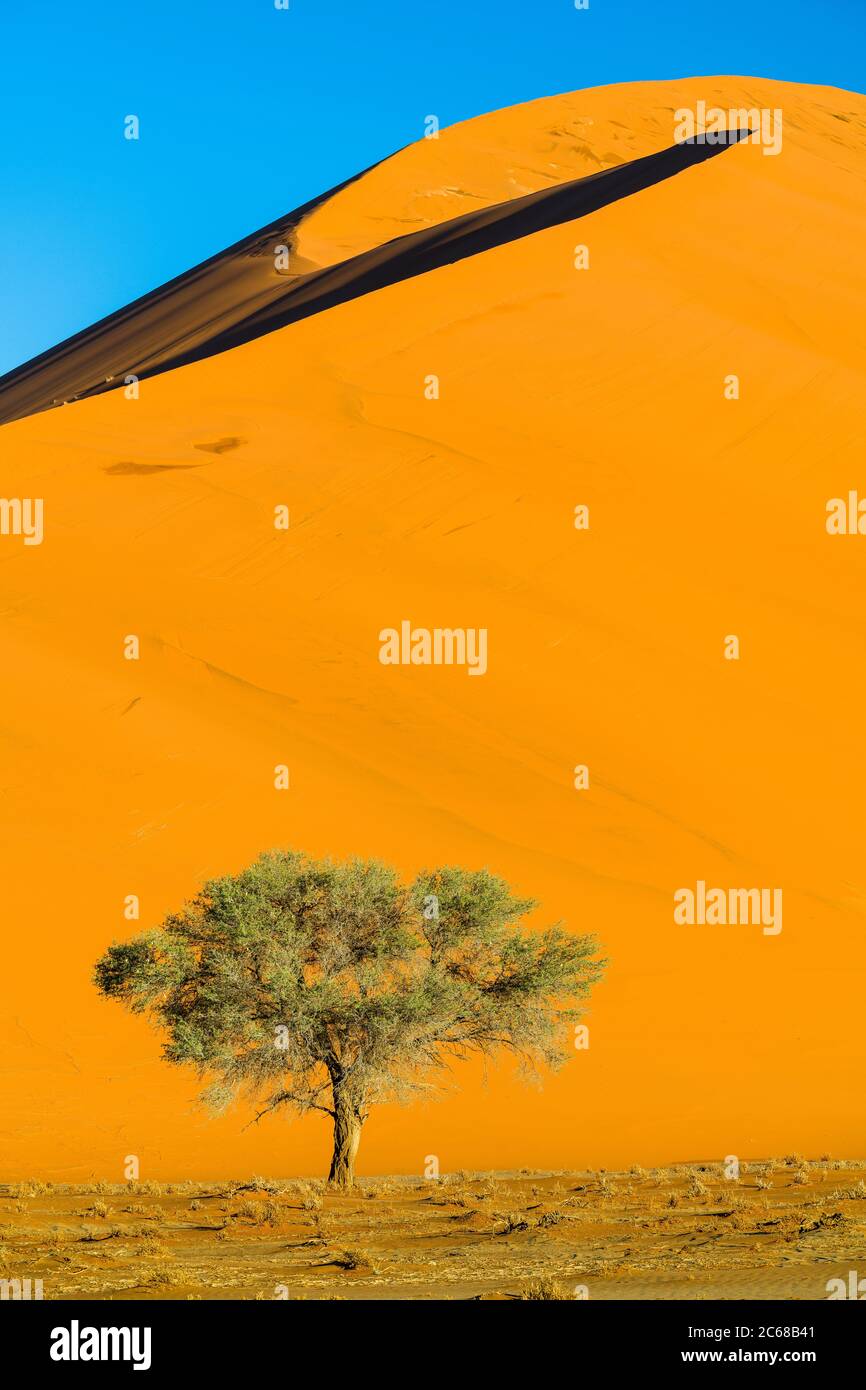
(512, 1221)
(485, 1189)
(273, 1186)
(152, 1245)
(161, 1278)
(546, 1289)
(353, 1259)
(549, 1218)
(260, 1213)
(849, 1194)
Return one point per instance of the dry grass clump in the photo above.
(443, 1196)
(259, 1213)
(310, 1199)
(272, 1186)
(152, 1245)
(546, 1290)
(463, 1199)
(511, 1221)
(485, 1188)
(352, 1259)
(549, 1218)
(34, 1188)
(91, 1233)
(850, 1194)
(162, 1278)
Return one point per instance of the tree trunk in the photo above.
(347, 1137)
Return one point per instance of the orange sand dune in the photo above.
(558, 387)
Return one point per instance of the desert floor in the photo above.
(780, 1231)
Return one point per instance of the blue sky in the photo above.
(247, 111)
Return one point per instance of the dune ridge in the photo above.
(223, 304)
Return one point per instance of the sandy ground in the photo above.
(780, 1231)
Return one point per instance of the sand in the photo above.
(259, 647)
(677, 1233)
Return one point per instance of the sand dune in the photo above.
(558, 387)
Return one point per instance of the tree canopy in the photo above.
(331, 986)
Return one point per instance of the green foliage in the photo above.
(317, 984)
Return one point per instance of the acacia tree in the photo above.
(333, 986)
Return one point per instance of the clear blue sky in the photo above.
(247, 111)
